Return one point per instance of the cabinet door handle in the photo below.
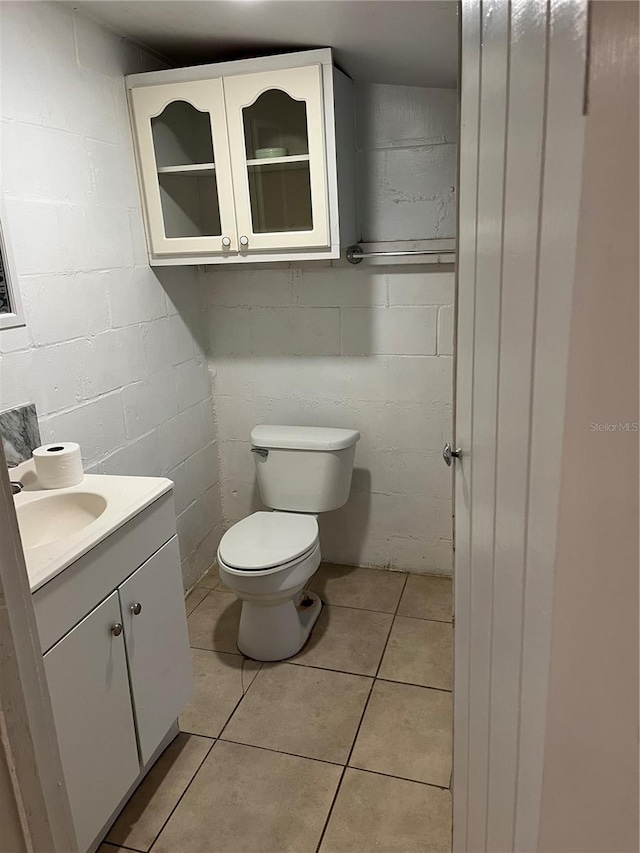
(244, 241)
(226, 242)
(136, 608)
(116, 629)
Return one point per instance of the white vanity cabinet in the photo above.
(246, 161)
(116, 653)
(89, 687)
(157, 643)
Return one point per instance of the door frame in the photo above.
(521, 136)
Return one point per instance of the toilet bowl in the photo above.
(268, 558)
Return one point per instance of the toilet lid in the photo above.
(267, 539)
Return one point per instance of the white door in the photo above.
(183, 160)
(276, 136)
(522, 95)
(157, 644)
(89, 686)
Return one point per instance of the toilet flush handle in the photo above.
(261, 451)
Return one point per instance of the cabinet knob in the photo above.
(226, 242)
(116, 629)
(244, 241)
(136, 608)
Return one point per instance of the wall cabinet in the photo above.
(120, 675)
(246, 161)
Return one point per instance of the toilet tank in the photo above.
(304, 469)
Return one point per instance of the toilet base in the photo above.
(270, 632)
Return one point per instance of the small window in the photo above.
(11, 314)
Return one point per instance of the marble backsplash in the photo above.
(20, 433)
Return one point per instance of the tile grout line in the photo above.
(395, 613)
(413, 684)
(361, 674)
(239, 702)
(355, 737)
(426, 619)
(406, 575)
(281, 752)
(170, 815)
(399, 778)
(204, 598)
(295, 755)
(218, 651)
(329, 668)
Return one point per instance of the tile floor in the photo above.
(345, 748)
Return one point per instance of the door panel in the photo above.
(521, 124)
(157, 645)
(89, 687)
(184, 160)
(276, 136)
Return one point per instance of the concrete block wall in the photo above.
(114, 353)
(361, 347)
(406, 138)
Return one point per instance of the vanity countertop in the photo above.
(121, 497)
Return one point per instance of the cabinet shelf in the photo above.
(190, 168)
(295, 161)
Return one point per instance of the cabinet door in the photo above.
(89, 686)
(183, 160)
(278, 158)
(157, 642)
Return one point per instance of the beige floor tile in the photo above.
(367, 589)
(246, 800)
(304, 711)
(214, 624)
(348, 640)
(406, 731)
(111, 848)
(211, 579)
(195, 597)
(220, 682)
(390, 815)
(146, 812)
(419, 652)
(427, 597)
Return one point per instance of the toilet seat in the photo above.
(268, 540)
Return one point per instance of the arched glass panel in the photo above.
(277, 150)
(182, 136)
(186, 171)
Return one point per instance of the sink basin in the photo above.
(56, 517)
(59, 526)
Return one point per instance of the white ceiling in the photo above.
(414, 43)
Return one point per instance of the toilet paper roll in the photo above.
(58, 465)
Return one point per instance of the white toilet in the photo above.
(268, 557)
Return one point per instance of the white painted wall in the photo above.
(407, 158)
(113, 353)
(362, 347)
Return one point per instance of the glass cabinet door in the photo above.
(276, 134)
(185, 169)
